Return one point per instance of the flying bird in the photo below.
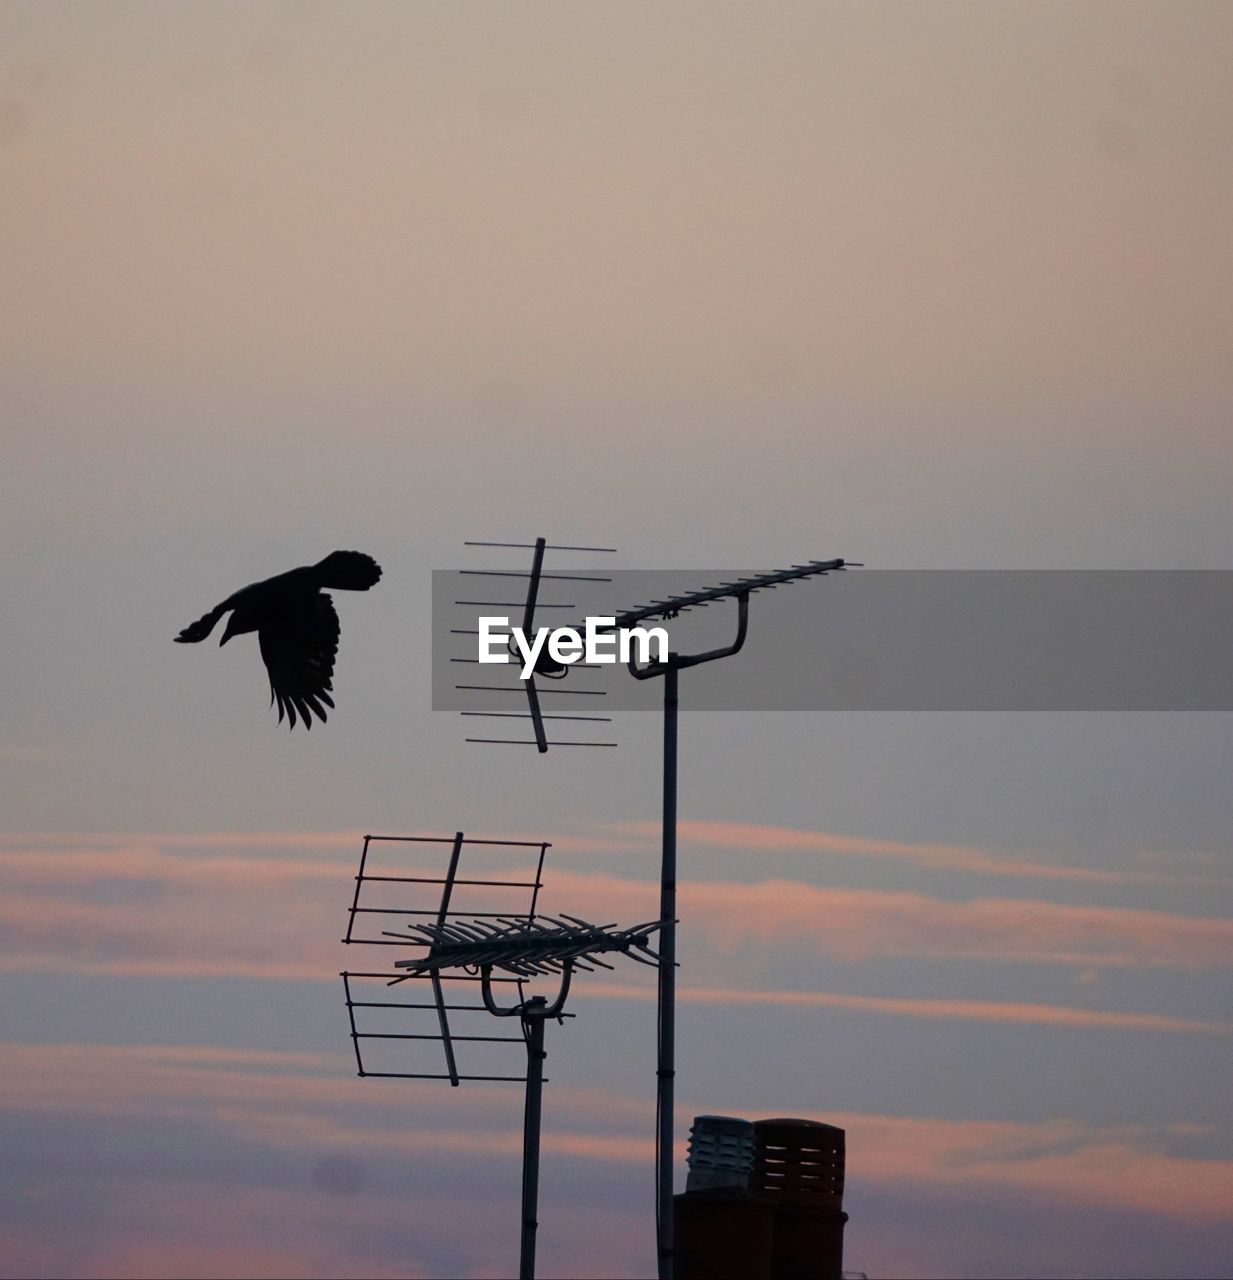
(296, 628)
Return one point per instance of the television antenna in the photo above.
(494, 949)
(545, 668)
(670, 669)
(740, 590)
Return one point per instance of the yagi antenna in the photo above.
(545, 667)
(669, 669)
(741, 589)
(499, 950)
(528, 948)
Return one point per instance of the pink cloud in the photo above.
(105, 840)
(291, 1098)
(859, 923)
(138, 907)
(283, 1101)
(856, 924)
(188, 1259)
(1126, 1167)
(187, 1230)
(1001, 1011)
(258, 840)
(938, 857)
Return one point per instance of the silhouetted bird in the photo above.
(296, 627)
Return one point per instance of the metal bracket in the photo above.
(679, 661)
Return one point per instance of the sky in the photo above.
(927, 286)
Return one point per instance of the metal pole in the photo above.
(533, 1025)
(666, 1067)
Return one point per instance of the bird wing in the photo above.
(298, 646)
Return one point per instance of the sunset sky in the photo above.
(925, 285)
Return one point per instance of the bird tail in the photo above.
(348, 570)
(202, 627)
